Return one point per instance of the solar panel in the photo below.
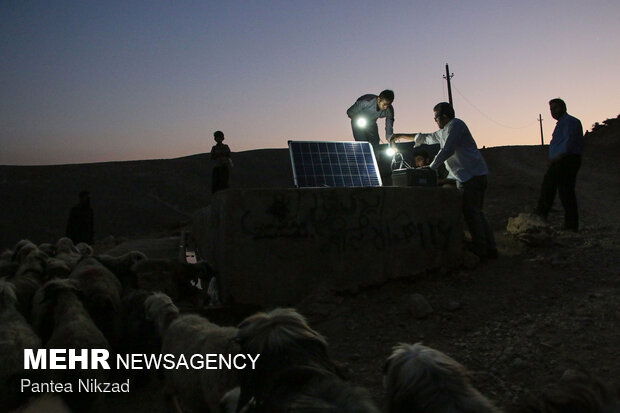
(333, 164)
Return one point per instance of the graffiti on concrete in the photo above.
(345, 223)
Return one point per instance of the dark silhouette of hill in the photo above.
(129, 198)
(136, 198)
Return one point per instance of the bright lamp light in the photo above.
(361, 122)
(390, 151)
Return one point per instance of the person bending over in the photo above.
(365, 112)
(460, 154)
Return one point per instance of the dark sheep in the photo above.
(102, 296)
(294, 372)
(15, 335)
(58, 307)
(425, 380)
(577, 392)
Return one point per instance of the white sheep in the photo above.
(84, 249)
(122, 266)
(66, 251)
(15, 335)
(421, 379)
(188, 334)
(22, 249)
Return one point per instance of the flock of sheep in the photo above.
(63, 296)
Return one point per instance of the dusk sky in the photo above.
(90, 81)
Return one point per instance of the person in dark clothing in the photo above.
(220, 153)
(80, 226)
(565, 151)
(423, 158)
(365, 112)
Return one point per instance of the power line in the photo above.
(488, 117)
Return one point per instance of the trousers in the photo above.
(472, 191)
(219, 179)
(561, 177)
(368, 133)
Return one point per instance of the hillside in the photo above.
(517, 322)
(137, 198)
(129, 198)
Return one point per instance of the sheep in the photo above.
(57, 268)
(230, 400)
(174, 278)
(28, 279)
(57, 305)
(294, 372)
(15, 335)
(576, 392)
(47, 403)
(8, 267)
(422, 379)
(102, 295)
(64, 245)
(22, 249)
(122, 265)
(48, 248)
(189, 334)
(6, 255)
(139, 335)
(34, 257)
(84, 249)
(66, 251)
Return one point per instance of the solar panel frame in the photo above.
(334, 164)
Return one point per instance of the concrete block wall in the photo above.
(273, 246)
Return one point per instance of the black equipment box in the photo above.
(414, 177)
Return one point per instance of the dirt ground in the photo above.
(517, 323)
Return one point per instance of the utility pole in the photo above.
(449, 76)
(542, 140)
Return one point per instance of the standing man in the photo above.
(565, 152)
(465, 163)
(365, 112)
(80, 225)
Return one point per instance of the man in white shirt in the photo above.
(459, 152)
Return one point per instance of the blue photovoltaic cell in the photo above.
(330, 164)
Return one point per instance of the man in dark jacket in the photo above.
(81, 223)
(365, 112)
